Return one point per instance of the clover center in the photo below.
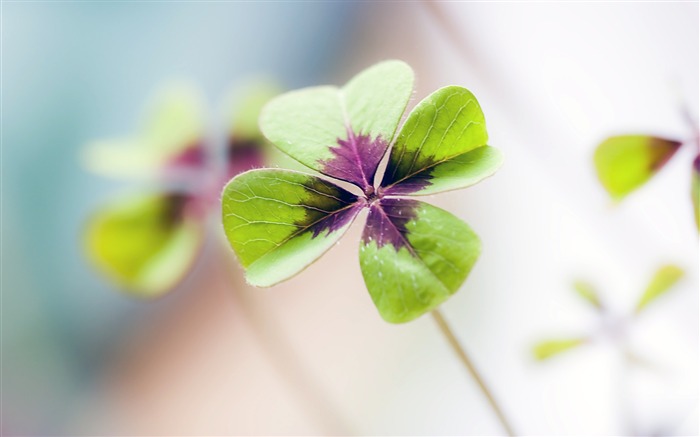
(371, 195)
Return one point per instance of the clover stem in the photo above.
(464, 358)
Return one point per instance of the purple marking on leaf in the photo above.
(409, 186)
(337, 219)
(356, 159)
(662, 150)
(174, 210)
(192, 157)
(243, 155)
(387, 220)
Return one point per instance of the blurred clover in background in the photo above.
(626, 162)
(147, 241)
(613, 326)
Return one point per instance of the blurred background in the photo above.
(312, 356)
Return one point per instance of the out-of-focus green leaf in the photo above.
(549, 348)
(177, 118)
(244, 107)
(660, 284)
(589, 293)
(246, 147)
(279, 221)
(144, 243)
(695, 189)
(174, 126)
(624, 163)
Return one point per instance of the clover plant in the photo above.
(626, 162)
(148, 240)
(611, 324)
(413, 255)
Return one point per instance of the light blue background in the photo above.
(73, 72)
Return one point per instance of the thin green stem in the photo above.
(464, 358)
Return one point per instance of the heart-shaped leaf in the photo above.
(588, 293)
(442, 146)
(624, 163)
(414, 256)
(171, 136)
(145, 243)
(660, 284)
(280, 221)
(549, 348)
(342, 132)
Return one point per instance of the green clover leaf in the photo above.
(588, 292)
(661, 283)
(278, 220)
(441, 146)
(549, 348)
(145, 243)
(172, 133)
(342, 132)
(413, 255)
(624, 163)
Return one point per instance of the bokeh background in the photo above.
(312, 356)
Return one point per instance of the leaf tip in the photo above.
(661, 283)
(547, 349)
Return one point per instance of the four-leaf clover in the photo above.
(413, 255)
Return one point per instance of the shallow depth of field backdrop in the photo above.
(79, 358)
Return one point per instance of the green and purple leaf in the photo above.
(279, 221)
(170, 140)
(624, 163)
(441, 147)
(342, 132)
(662, 282)
(550, 348)
(414, 256)
(145, 243)
(247, 148)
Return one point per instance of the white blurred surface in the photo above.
(554, 80)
